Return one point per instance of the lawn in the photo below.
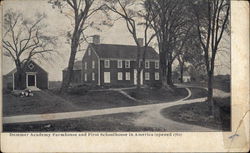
(197, 92)
(114, 122)
(99, 100)
(110, 99)
(218, 84)
(198, 114)
(41, 102)
(152, 95)
(52, 102)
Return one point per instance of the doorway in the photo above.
(135, 77)
(106, 77)
(31, 80)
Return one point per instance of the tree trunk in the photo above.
(210, 92)
(138, 79)
(138, 67)
(163, 69)
(19, 72)
(18, 83)
(169, 74)
(181, 72)
(169, 70)
(69, 72)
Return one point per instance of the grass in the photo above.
(198, 93)
(113, 122)
(41, 102)
(221, 85)
(198, 114)
(149, 95)
(50, 101)
(99, 100)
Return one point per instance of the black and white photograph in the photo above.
(116, 66)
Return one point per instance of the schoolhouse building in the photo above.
(34, 77)
(114, 65)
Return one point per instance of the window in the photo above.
(127, 75)
(106, 64)
(31, 66)
(119, 64)
(106, 77)
(86, 65)
(93, 76)
(85, 77)
(127, 64)
(93, 64)
(119, 76)
(147, 77)
(156, 64)
(157, 76)
(89, 52)
(147, 65)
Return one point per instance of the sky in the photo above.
(58, 25)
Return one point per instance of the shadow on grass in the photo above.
(113, 123)
(197, 92)
(157, 94)
(198, 114)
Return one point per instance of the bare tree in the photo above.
(78, 11)
(125, 10)
(171, 17)
(147, 22)
(24, 40)
(188, 49)
(212, 20)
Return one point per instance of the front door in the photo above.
(106, 77)
(31, 80)
(135, 77)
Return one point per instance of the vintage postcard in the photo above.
(125, 76)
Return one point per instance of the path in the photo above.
(150, 116)
(153, 118)
(216, 92)
(80, 114)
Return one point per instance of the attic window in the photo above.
(31, 66)
(119, 64)
(106, 64)
(127, 64)
(147, 64)
(156, 64)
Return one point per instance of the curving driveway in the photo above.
(150, 117)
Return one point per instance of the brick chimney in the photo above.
(96, 39)
(140, 40)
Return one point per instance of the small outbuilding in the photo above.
(186, 77)
(34, 77)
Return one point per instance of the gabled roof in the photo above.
(77, 66)
(122, 51)
(11, 72)
(14, 70)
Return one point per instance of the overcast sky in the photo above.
(58, 24)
